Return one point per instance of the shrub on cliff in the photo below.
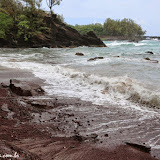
(21, 20)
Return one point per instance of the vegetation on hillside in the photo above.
(21, 20)
(125, 28)
(97, 28)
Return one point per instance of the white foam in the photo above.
(118, 43)
(122, 43)
(100, 90)
(155, 39)
(139, 44)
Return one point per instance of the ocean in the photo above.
(123, 79)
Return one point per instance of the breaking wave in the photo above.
(125, 43)
(100, 90)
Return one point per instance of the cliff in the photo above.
(60, 35)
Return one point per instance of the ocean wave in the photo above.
(118, 43)
(139, 44)
(125, 43)
(155, 39)
(100, 90)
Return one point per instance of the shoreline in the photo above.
(120, 38)
(42, 127)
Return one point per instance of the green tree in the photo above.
(83, 29)
(24, 30)
(6, 23)
(126, 28)
(52, 3)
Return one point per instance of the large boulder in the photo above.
(23, 88)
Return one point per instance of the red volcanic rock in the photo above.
(22, 88)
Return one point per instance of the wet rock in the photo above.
(150, 52)
(147, 58)
(100, 57)
(154, 61)
(95, 58)
(40, 104)
(93, 136)
(5, 84)
(140, 147)
(79, 54)
(78, 138)
(23, 88)
(106, 135)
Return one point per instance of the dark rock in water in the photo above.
(134, 40)
(22, 88)
(100, 57)
(79, 54)
(147, 58)
(92, 59)
(95, 58)
(140, 147)
(150, 52)
(154, 61)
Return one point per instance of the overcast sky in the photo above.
(144, 12)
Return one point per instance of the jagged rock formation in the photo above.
(61, 35)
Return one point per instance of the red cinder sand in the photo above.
(41, 138)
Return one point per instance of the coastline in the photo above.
(42, 127)
(120, 38)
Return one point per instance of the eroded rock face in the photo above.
(23, 88)
(61, 36)
(143, 148)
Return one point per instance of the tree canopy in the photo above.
(21, 20)
(126, 28)
(5, 25)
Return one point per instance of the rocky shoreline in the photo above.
(36, 126)
(60, 36)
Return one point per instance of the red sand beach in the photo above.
(29, 128)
